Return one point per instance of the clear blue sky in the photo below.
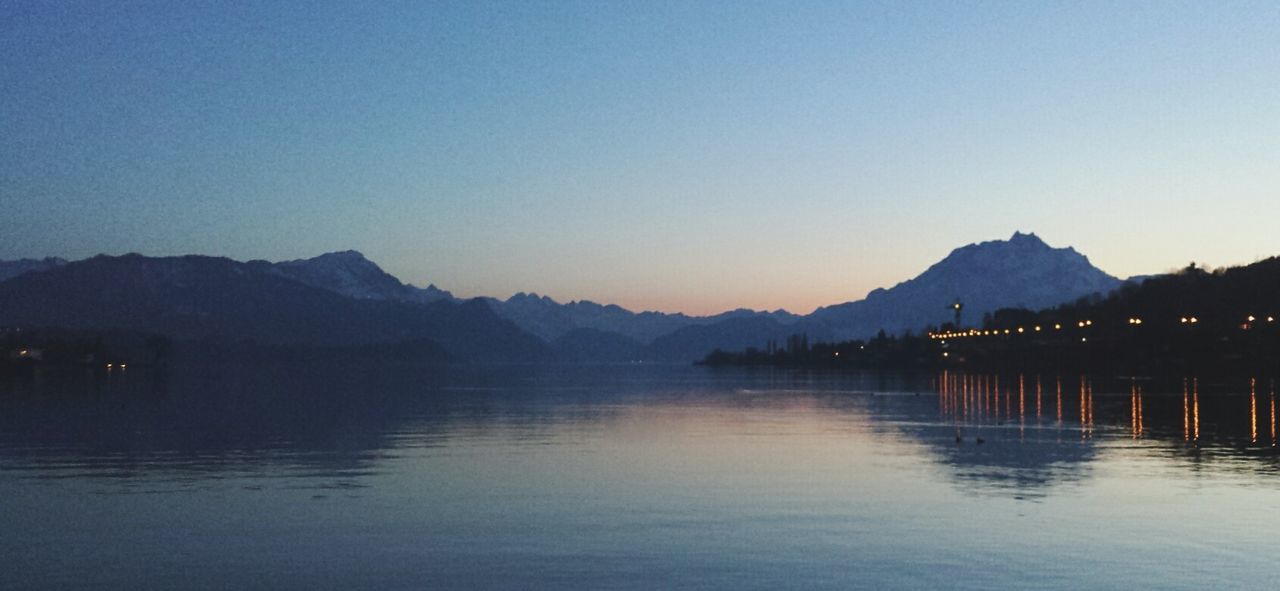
(689, 156)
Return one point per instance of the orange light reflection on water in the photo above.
(1135, 409)
(1195, 408)
(1022, 407)
(1253, 410)
(1084, 408)
(1059, 401)
(1091, 407)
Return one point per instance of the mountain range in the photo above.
(342, 298)
(199, 298)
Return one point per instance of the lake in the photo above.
(634, 477)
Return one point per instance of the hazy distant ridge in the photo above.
(350, 274)
(11, 269)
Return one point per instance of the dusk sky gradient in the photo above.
(690, 157)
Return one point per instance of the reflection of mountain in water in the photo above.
(334, 424)
(304, 420)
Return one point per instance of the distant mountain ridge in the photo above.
(551, 320)
(350, 274)
(291, 301)
(1022, 271)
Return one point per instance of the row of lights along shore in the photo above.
(973, 332)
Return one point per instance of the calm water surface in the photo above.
(634, 478)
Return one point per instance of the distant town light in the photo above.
(1271, 318)
(1006, 331)
(1037, 329)
(1080, 324)
(1184, 319)
(1194, 320)
(1084, 339)
(1088, 323)
(23, 353)
(1057, 327)
(946, 354)
(1019, 330)
(1251, 318)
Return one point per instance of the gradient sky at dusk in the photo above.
(676, 156)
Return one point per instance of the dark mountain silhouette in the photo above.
(218, 299)
(692, 343)
(588, 345)
(11, 269)
(1022, 272)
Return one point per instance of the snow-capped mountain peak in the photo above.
(349, 273)
(1021, 272)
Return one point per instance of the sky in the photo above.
(683, 156)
